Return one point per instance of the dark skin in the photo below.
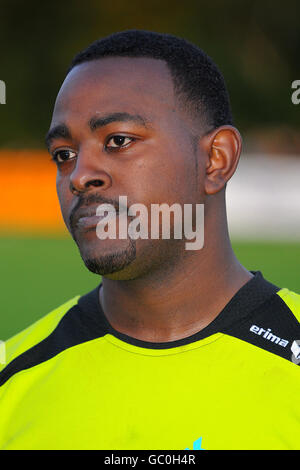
(119, 129)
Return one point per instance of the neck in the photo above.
(187, 300)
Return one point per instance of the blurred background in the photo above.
(256, 45)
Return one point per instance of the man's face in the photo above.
(117, 130)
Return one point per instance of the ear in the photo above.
(222, 147)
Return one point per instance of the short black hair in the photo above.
(196, 77)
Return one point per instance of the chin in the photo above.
(109, 258)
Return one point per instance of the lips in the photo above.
(85, 223)
(85, 218)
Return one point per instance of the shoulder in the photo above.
(267, 317)
(34, 334)
(274, 326)
(73, 323)
(291, 300)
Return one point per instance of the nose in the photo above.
(89, 173)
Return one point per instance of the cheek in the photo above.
(169, 177)
(64, 196)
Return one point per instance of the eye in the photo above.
(61, 156)
(119, 141)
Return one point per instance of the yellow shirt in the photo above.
(72, 382)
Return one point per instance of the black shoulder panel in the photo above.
(271, 326)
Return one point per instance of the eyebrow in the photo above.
(96, 122)
(62, 131)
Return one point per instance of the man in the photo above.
(176, 347)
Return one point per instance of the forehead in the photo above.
(116, 84)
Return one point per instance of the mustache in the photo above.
(84, 203)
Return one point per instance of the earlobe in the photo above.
(223, 151)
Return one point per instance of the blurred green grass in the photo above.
(38, 274)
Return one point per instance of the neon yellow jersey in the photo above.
(73, 382)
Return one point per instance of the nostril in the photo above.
(95, 183)
(81, 182)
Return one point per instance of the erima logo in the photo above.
(267, 334)
(197, 445)
(295, 348)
